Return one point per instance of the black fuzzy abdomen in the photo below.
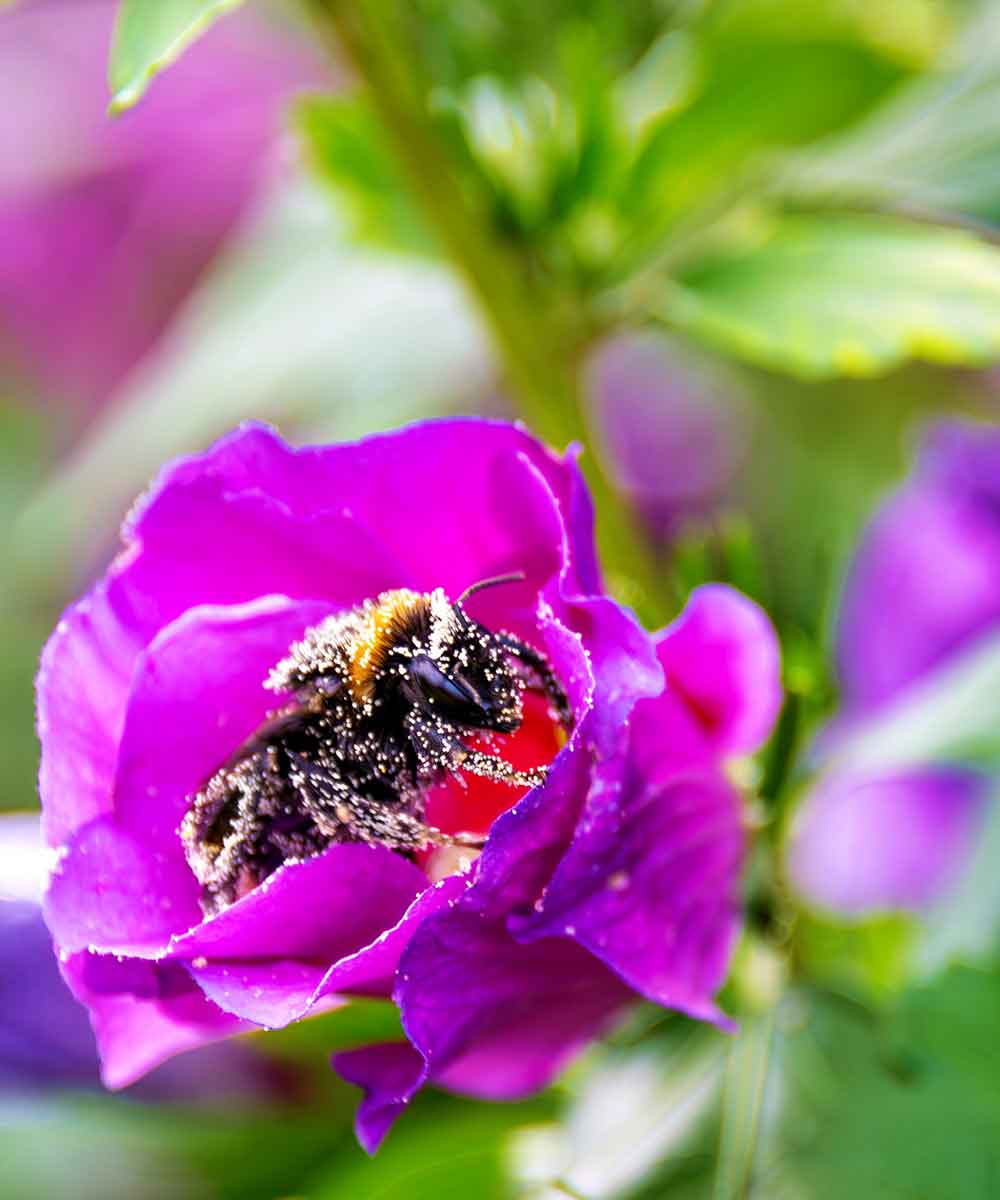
(302, 782)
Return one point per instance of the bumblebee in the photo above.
(383, 696)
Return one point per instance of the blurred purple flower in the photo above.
(616, 875)
(671, 438)
(924, 586)
(107, 224)
(45, 1038)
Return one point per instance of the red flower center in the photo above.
(472, 808)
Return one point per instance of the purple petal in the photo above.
(965, 457)
(207, 541)
(388, 1074)
(274, 991)
(44, 1033)
(722, 690)
(925, 581)
(143, 1013)
(872, 843)
(489, 1017)
(82, 686)
(504, 521)
(495, 1018)
(651, 886)
(266, 956)
(111, 892)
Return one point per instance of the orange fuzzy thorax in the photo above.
(391, 618)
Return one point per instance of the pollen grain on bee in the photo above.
(378, 700)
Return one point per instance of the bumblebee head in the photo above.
(463, 675)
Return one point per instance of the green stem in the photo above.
(539, 350)
(743, 1094)
(781, 752)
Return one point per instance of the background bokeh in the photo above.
(245, 243)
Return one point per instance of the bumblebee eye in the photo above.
(448, 697)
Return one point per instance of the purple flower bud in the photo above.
(671, 437)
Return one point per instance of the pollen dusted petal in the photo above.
(651, 887)
(111, 892)
(143, 1013)
(273, 990)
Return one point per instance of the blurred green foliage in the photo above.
(905, 1106)
(849, 295)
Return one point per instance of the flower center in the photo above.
(472, 803)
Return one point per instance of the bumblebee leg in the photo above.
(533, 668)
(441, 750)
(488, 766)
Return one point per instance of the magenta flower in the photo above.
(924, 587)
(106, 225)
(618, 873)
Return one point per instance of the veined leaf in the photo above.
(853, 295)
(935, 146)
(150, 35)
(754, 97)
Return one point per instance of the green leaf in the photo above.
(150, 35)
(444, 1146)
(348, 149)
(934, 147)
(870, 959)
(852, 295)
(754, 95)
(903, 1107)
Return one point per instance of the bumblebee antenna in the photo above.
(493, 581)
